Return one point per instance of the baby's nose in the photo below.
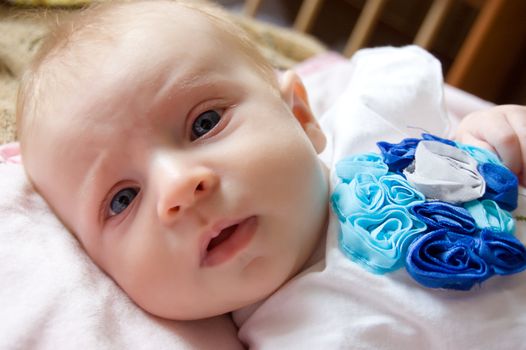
(182, 187)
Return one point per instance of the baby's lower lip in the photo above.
(227, 249)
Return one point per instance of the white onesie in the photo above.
(393, 93)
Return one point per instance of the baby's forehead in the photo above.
(121, 50)
(103, 32)
(147, 31)
(125, 43)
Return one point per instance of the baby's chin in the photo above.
(183, 313)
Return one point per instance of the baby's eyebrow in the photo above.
(194, 77)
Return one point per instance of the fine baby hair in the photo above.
(79, 39)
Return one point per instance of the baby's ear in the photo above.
(295, 96)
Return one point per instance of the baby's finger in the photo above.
(469, 139)
(518, 123)
(503, 138)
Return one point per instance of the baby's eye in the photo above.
(122, 200)
(204, 123)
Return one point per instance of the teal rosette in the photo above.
(488, 214)
(438, 207)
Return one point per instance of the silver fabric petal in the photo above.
(445, 173)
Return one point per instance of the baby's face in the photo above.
(182, 172)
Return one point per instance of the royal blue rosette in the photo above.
(398, 156)
(504, 253)
(502, 186)
(396, 208)
(431, 137)
(441, 215)
(447, 259)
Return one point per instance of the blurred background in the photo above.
(481, 43)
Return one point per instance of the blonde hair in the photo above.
(71, 40)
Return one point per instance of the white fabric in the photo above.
(53, 297)
(336, 304)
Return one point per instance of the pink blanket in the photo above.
(53, 297)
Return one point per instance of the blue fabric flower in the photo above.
(447, 259)
(398, 156)
(390, 216)
(430, 137)
(502, 186)
(504, 253)
(487, 214)
(400, 192)
(363, 193)
(370, 163)
(379, 240)
(441, 215)
(481, 155)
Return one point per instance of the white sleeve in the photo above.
(392, 93)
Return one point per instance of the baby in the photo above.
(189, 173)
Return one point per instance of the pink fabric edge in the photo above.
(10, 153)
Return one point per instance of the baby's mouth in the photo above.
(229, 240)
(223, 236)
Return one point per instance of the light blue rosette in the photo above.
(481, 155)
(379, 240)
(363, 193)
(369, 163)
(488, 214)
(398, 191)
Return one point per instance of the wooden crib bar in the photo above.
(366, 23)
(495, 39)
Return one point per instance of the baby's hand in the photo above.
(501, 129)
